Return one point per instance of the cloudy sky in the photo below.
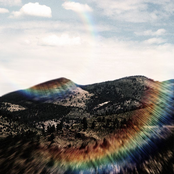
(86, 41)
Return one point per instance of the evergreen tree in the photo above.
(93, 125)
(60, 126)
(85, 124)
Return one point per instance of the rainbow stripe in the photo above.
(51, 89)
(93, 39)
(88, 21)
(128, 147)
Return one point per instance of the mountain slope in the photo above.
(110, 97)
(120, 126)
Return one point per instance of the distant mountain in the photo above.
(109, 97)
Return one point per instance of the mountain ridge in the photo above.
(108, 97)
(61, 119)
(63, 80)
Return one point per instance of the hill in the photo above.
(120, 126)
(110, 97)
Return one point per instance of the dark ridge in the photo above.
(131, 87)
(118, 80)
(13, 96)
(18, 96)
(64, 80)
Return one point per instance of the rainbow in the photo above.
(119, 150)
(51, 89)
(89, 24)
(88, 21)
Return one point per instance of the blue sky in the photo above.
(87, 41)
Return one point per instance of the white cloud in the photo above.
(64, 39)
(33, 9)
(154, 41)
(10, 2)
(4, 10)
(59, 26)
(109, 59)
(45, 53)
(77, 7)
(159, 32)
(136, 10)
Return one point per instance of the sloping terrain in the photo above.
(120, 126)
(103, 98)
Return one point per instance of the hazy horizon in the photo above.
(85, 41)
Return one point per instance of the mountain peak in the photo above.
(53, 84)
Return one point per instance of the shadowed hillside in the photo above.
(120, 126)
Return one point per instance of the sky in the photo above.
(87, 41)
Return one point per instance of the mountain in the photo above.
(110, 97)
(62, 98)
(120, 126)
